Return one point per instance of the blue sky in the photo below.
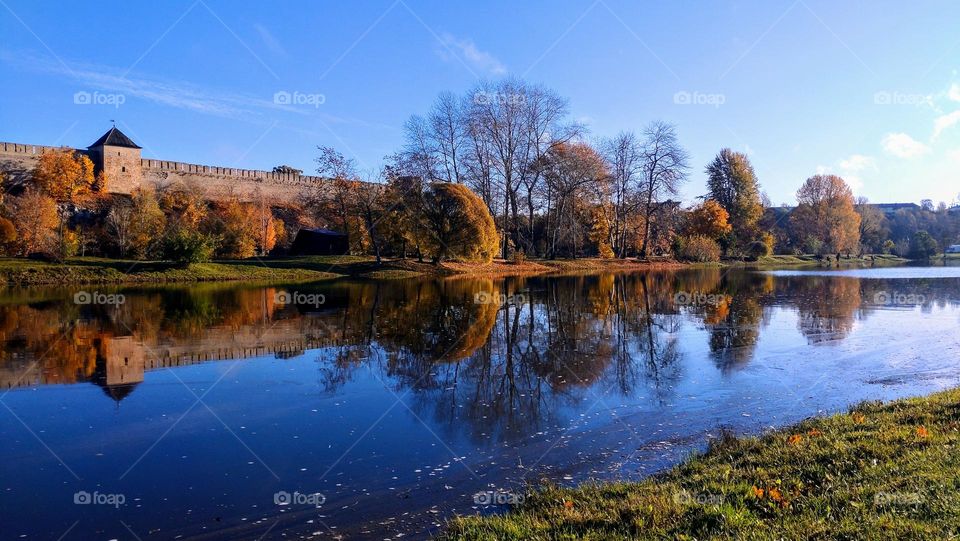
(866, 89)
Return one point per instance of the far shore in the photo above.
(89, 270)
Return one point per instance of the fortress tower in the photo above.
(119, 158)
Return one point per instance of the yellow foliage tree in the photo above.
(459, 224)
(65, 175)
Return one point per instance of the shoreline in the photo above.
(83, 271)
(879, 471)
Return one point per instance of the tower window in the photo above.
(118, 153)
(123, 169)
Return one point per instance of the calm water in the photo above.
(190, 412)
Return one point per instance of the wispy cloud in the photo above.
(269, 40)
(903, 146)
(858, 162)
(469, 53)
(172, 93)
(943, 122)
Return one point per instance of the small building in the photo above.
(320, 242)
(953, 249)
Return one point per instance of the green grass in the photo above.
(879, 472)
(105, 271)
(812, 260)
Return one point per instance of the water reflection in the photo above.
(456, 341)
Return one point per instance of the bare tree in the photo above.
(624, 157)
(665, 165)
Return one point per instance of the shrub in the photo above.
(923, 246)
(699, 248)
(185, 247)
(519, 258)
(761, 247)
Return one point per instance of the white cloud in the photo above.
(954, 155)
(858, 162)
(902, 145)
(945, 121)
(464, 50)
(954, 92)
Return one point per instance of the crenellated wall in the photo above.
(124, 175)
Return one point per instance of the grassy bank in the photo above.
(111, 271)
(812, 260)
(103, 271)
(879, 472)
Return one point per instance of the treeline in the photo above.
(502, 170)
(553, 193)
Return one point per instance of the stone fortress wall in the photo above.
(123, 176)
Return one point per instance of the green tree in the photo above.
(923, 246)
(732, 182)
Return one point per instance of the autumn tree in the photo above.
(147, 222)
(600, 233)
(873, 226)
(572, 172)
(458, 224)
(35, 219)
(65, 175)
(708, 219)
(825, 219)
(236, 228)
(733, 184)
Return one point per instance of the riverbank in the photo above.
(90, 270)
(878, 472)
(112, 271)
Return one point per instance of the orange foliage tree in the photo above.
(708, 219)
(825, 220)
